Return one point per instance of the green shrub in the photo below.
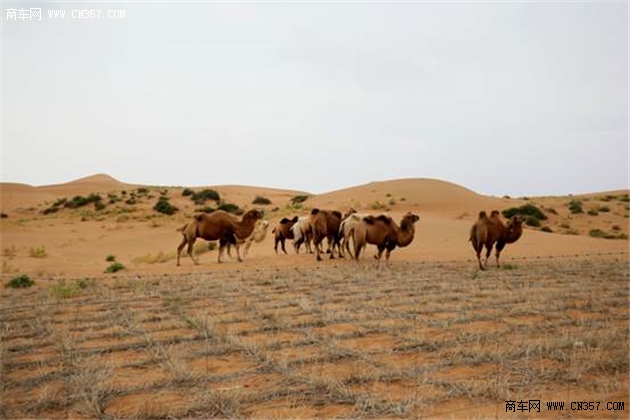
(143, 190)
(546, 229)
(204, 195)
(298, 199)
(110, 258)
(525, 210)
(187, 192)
(80, 201)
(98, 206)
(261, 200)
(114, 267)
(50, 210)
(206, 209)
(165, 207)
(604, 209)
(230, 208)
(598, 233)
(532, 221)
(592, 212)
(575, 207)
(20, 282)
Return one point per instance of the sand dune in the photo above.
(77, 241)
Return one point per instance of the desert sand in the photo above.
(77, 241)
(285, 336)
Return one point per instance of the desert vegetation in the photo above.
(419, 340)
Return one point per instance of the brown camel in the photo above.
(383, 232)
(490, 230)
(325, 224)
(282, 232)
(218, 225)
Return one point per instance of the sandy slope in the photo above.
(78, 241)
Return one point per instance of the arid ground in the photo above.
(283, 336)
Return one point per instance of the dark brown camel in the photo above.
(282, 232)
(490, 230)
(218, 225)
(383, 232)
(325, 225)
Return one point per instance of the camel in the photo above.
(282, 232)
(490, 230)
(258, 235)
(325, 224)
(302, 234)
(346, 229)
(383, 232)
(218, 225)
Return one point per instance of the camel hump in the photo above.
(385, 219)
(369, 220)
(199, 217)
(483, 215)
(337, 214)
(494, 213)
(294, 220)
(284, 221)
(314, 211)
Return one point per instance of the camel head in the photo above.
(494, 213)
(350, 211)
(515, 221)
(253, 214)
(408, 220)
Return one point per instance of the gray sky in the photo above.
(503, 98)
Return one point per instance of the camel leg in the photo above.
(179, 249)
(275, 245)
(221, 248)
(238, 254)
(190, 251)
(478, 250)
(499, 248)
(488, 252)
(248, 245)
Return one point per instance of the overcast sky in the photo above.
(502, 98)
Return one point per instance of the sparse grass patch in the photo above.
(68, 289)
(37, 252)
(378, 205)
(157, 258)
(20, 282)
(546, 229)
(110, 258)
(113, 268)
(592, 212)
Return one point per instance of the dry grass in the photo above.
(417, 340)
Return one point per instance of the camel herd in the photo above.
(339, 230)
